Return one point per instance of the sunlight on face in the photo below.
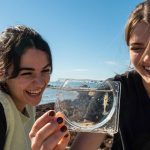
(140, 51)
(34, 75)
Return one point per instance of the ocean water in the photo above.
(52, 94)
(49, 96)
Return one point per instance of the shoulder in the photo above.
(8, 107)
(128, 75)
(6, 101)
(130, 84)
(127, 79)
(4, 97)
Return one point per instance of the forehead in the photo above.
(34, 58)
(141, 34)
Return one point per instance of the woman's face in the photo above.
(33, 77)
(139, 44)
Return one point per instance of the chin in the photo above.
(146, 80)
(34, 103)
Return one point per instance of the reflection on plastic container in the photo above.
(89, 105)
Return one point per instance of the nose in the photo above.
(146, 54)
(146, 58)
(39, 82)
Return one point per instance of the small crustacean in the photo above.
(105, 103)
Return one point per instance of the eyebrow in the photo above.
(32, 69)
(137, 44)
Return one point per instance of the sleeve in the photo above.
(3, 127)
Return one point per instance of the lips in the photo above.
(34, 92)
(147, 70)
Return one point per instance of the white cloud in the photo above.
(111, 63)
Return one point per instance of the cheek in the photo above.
(46, 80)
(135, 58)
(16, 85)
(22, 83)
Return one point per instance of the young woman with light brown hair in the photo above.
(134, 119)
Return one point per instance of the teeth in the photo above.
(35, 91)
(147, 68)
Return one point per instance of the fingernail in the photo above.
(59, 120)
(66, 135)
(51, 113)
(63, 128)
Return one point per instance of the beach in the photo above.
(42, 108)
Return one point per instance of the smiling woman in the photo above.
(25, 69)
(33, 77)
(134, 122)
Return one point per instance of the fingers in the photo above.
(44, 132)
(63, 142)
(54, 142)
(40, 122)
(49, 129)
(49, 132)
(59, 114)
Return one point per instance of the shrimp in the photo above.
(105, 103)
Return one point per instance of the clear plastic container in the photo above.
(89, 105)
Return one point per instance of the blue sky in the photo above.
(86, 36)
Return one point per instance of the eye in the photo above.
(25, 73)
(46, 70)
(136, 49)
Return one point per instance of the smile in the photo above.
(147, 68)
(34, 92)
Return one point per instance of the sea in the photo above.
(49, 96)
(51, 92)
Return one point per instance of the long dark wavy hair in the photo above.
(14, 42)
